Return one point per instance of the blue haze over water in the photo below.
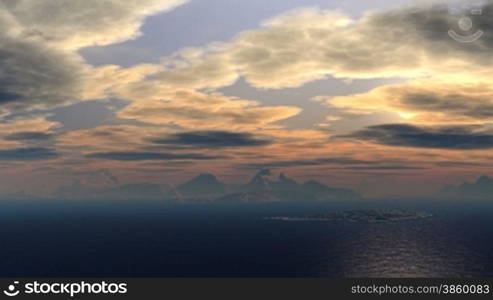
(157, 240)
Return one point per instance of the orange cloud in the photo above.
(426, 101)
(11, 132)
(195, 110)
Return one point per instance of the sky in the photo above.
(389, 98)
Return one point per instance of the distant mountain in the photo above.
(206, 188)
(315, 187)
(322, 192)
(203, 185)
(258, 182)
(134, 191)
(251, 197)
(261, 189)
(285, 183)
(485, 181)
(481, 189)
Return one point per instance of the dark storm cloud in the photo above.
(28, 136)
(212, 139)
(141, 156)
(27, 154)
(35, 76)
(452, 137)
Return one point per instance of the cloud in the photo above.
(28, 124)
(306, 163)
(302, 46)
(404, 135)
(143, 156)
(462, 164)
(35, 76)
(73, 24)
(40, 65)
(28, 136)
(6, 97)
(430, 101)
(19, 132)
(311, 44)
(195, 110)
(110, 138)
(212, 139)
(145, 138)
(111, 80)
(28, 154)
(377, 168)
(287, 51)
(341, 163)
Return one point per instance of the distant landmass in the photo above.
(262, 189)
(361, 216)
(481, 189)
(145, 191)
(207, 188)
(204, 185)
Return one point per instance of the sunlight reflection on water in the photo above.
(408, 249)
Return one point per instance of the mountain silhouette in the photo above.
(259, 182)
(285, 183)
(484, 181)
(481, 189)
(131, 191)
(206, 188)
(261, 189)
(324, 192)
(203, 185)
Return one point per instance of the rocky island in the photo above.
(361, 216)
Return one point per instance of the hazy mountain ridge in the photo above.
(207, 188)
(482, 188)
(147, 191)
(262, 189)
(202, 185)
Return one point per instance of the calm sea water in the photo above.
(152, 240)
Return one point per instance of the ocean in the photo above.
(161, 240)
